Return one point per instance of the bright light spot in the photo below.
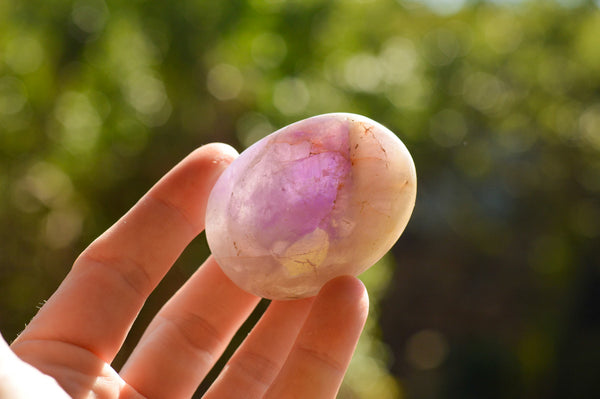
(414, 94)
(398, 60)
(483, 91)
(23, 54)
(12, 95)
(224, 81)
(145, 93)
(128, 48)
(252, 127)
(363, 72)
(62, 227)
(148, 96)
(508, 2)
(589, 124)
(80, 120)
(75, 111)
(326, 97)
(334, 65)
(291, 96)
(44, 184)
(572, 3)
(426, 350)
(444, 7)
(90, 15)
(268, 50)
(368, 377)
(441, 46)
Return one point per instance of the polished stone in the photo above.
(320, 198)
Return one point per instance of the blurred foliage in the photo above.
(495, 291)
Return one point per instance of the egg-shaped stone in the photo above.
(322, 197)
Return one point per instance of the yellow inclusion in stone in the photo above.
(306, 254)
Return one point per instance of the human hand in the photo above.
(298, 349)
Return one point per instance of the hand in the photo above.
(298, 349)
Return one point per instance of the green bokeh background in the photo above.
(493, 291)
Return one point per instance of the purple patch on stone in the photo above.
(300, 178)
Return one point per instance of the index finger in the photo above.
(100, 298)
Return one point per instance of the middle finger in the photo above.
(188, 335)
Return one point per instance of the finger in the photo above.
(188, 335)
(318, 360)
(108, 284)
(257, 361)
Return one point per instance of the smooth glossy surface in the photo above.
(323, 197)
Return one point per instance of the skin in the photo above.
(299, 349)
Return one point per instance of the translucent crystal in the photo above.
(320, 198)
